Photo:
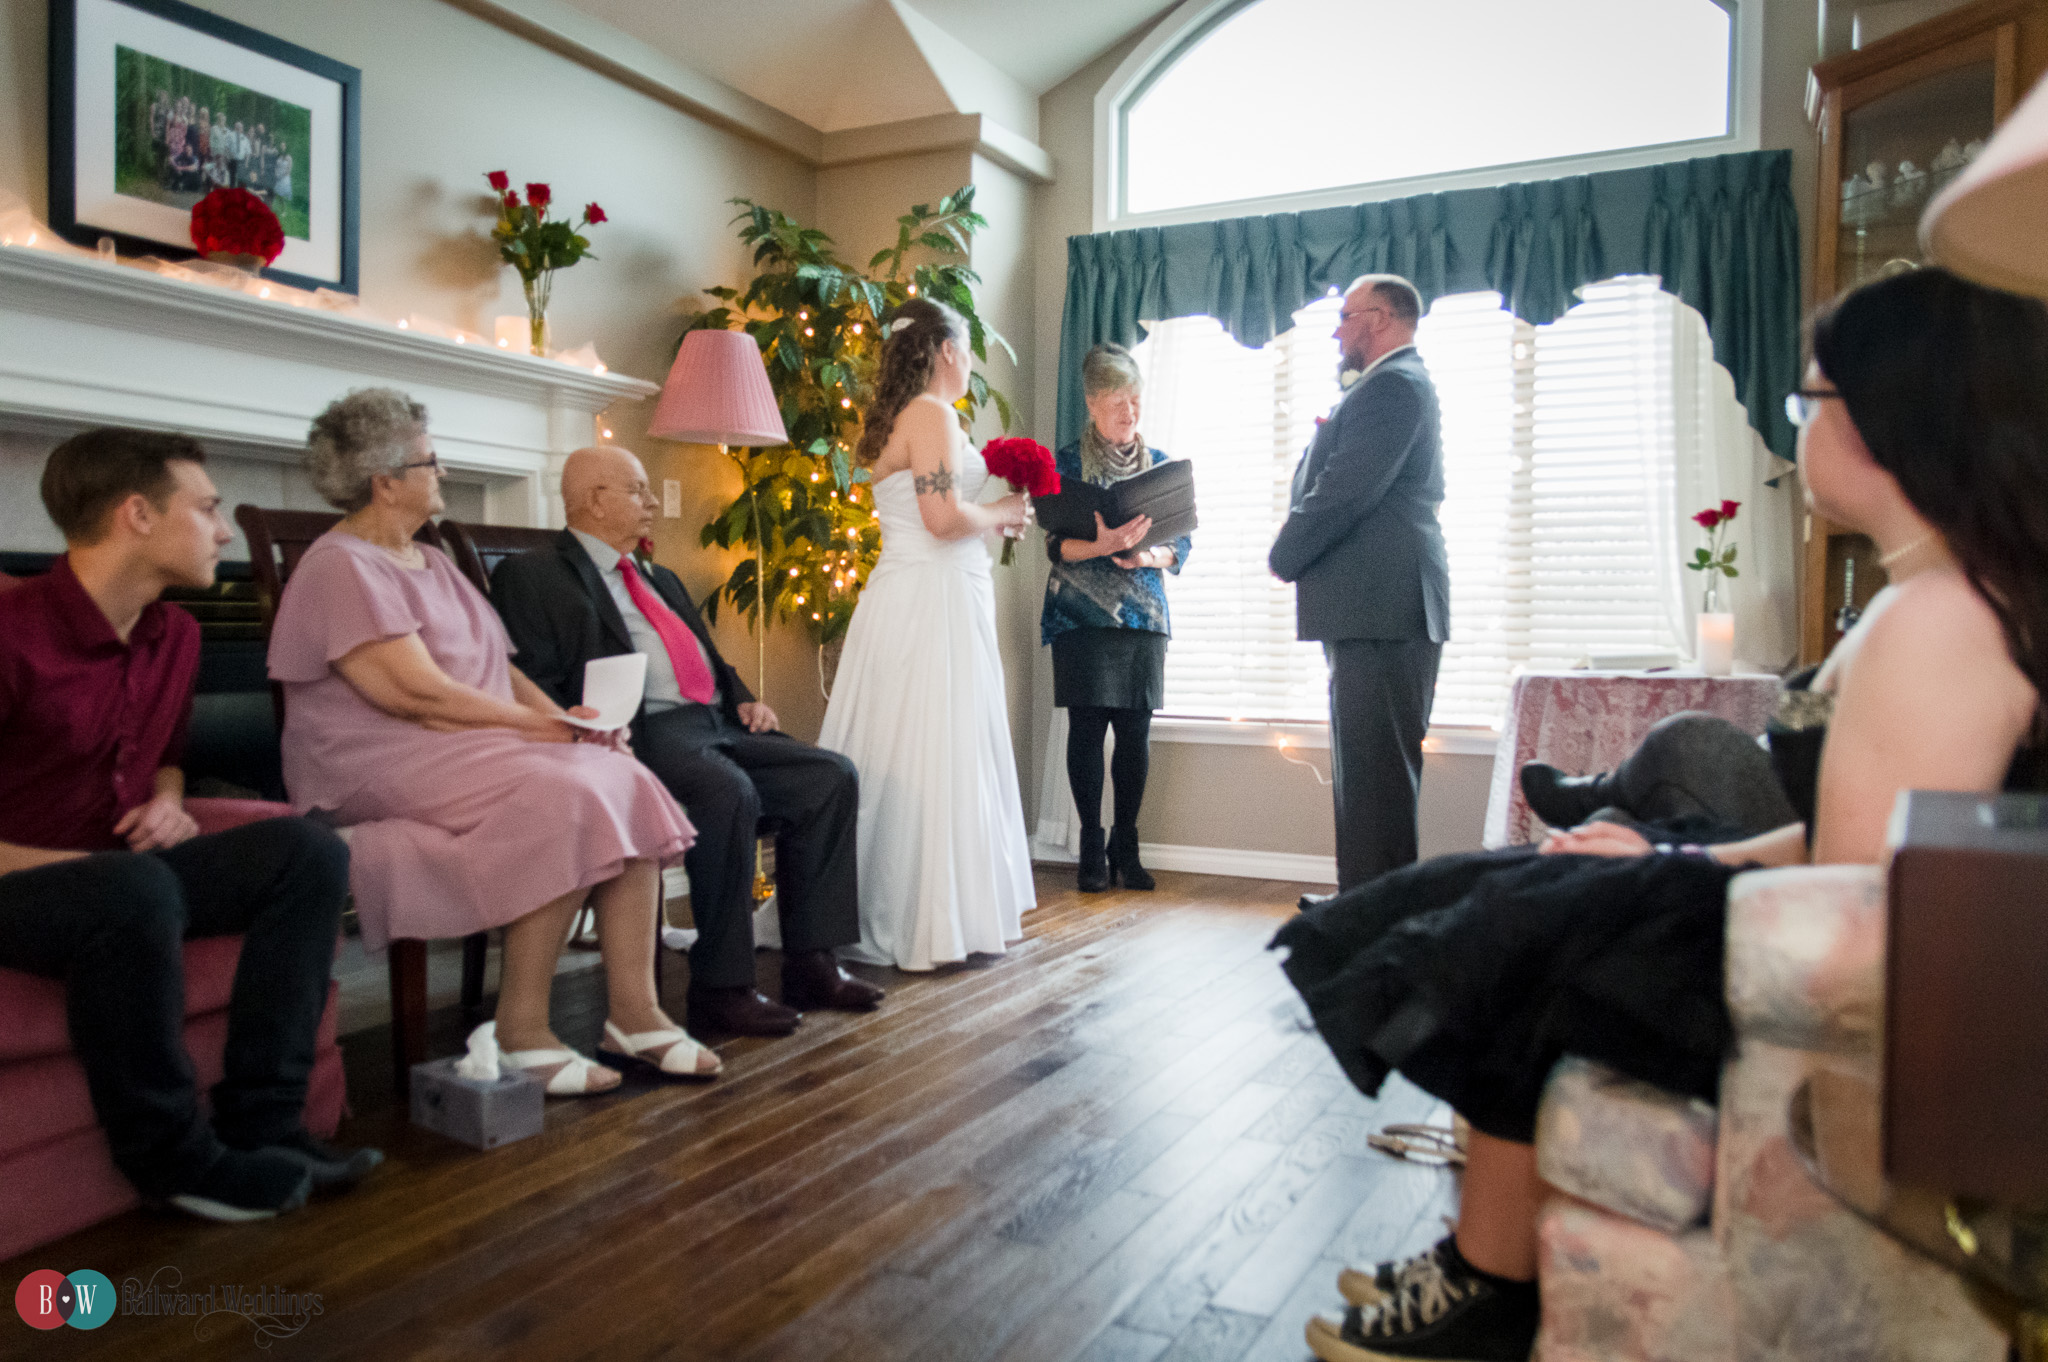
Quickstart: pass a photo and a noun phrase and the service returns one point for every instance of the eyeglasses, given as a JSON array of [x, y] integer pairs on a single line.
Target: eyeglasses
[[432, 461], [1361, 312], [639, 491], [1802, 407]]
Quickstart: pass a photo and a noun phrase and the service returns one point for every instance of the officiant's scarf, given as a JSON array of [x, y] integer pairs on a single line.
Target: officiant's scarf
[[1103, 463]]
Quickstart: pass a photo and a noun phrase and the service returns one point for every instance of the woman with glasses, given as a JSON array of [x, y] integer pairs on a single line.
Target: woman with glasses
[[474, 804], [1925, 426]]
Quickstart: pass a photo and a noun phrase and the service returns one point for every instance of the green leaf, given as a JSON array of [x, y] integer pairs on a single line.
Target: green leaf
[[1701, 557], [1731, 572], [1730, 555]]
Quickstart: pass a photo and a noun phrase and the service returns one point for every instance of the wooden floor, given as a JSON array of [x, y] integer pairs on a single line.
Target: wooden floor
[[1118, 1143]]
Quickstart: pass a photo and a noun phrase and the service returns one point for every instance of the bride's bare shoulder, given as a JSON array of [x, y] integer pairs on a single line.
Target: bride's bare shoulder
[[1937, 631]]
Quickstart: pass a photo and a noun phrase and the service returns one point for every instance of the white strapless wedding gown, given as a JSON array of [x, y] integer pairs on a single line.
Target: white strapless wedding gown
[[918, 707]]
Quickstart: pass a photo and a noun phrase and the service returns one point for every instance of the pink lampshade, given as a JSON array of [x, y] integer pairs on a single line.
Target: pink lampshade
[[717, 394], [1991, 224]]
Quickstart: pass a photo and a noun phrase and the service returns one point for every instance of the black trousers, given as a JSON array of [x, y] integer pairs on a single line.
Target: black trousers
[[1381, 691], [111, 926], [1700, 768], [728, 780]]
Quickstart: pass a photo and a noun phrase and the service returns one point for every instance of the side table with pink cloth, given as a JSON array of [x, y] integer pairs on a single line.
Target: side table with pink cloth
[[54, 1162], [454, 833], [1583, 722]]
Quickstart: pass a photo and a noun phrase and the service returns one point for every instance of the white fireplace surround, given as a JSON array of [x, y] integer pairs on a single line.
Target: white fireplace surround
[[84, 343]]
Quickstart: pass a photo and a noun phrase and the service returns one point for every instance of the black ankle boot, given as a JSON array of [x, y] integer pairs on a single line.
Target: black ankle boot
[[1560, 800], [1093, 876], [1123, 859]]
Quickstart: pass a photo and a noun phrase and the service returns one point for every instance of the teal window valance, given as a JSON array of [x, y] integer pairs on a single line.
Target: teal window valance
[[1721, 232]]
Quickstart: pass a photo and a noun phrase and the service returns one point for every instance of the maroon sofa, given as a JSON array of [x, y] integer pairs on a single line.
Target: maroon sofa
[[54, 1165]]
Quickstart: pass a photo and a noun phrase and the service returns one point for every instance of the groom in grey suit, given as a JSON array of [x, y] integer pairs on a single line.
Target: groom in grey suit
[[1372, 584]]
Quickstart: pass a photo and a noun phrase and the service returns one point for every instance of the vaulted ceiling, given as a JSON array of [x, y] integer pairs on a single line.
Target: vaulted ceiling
[[839, 64]]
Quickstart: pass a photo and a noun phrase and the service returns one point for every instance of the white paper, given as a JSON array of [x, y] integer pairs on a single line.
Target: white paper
[[612, 686]]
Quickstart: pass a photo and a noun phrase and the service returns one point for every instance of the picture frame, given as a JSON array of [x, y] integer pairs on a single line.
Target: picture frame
[[153, 103]]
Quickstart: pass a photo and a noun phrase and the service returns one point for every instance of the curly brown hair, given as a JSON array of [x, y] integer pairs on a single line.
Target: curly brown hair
[[915, 333]]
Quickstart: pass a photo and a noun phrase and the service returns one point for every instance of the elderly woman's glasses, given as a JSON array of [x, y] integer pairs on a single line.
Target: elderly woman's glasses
[[432, 461], [1803, 407]]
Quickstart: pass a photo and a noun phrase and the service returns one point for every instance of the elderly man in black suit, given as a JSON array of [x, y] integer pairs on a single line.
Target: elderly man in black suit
[[1372, 583], [712, 743]]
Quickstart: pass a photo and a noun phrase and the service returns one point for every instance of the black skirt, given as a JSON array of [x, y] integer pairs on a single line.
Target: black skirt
[[1109, 669], [1473, 974]]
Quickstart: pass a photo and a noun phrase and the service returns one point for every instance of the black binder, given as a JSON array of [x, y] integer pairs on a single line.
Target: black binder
[[1166, 492]]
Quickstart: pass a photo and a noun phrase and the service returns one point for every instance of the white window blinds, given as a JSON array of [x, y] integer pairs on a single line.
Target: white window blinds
[[1565, 450]]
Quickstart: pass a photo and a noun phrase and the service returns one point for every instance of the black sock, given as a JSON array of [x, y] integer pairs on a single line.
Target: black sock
[[1462, 1265]]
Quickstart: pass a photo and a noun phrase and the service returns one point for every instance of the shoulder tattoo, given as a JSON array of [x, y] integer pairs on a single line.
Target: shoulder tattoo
[[932, 484]]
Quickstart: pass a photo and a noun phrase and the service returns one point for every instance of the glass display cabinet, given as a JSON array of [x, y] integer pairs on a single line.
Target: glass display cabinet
[[1896, 121]]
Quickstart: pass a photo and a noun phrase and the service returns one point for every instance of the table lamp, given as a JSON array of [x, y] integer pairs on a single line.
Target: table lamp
[[718, 393], [1991, 223]]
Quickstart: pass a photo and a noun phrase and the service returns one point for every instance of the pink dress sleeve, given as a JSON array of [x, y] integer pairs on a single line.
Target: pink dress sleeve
[[335, 602]]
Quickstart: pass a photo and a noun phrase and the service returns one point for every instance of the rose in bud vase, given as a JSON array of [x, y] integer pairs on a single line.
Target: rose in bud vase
[[1717, 559], [537, 244], [1027, 466], [1714, 639]]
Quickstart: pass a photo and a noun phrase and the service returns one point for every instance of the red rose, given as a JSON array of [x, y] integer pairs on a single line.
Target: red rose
[[512, 199], [592, 213], [539, 195], [236, 222], [1707, 520], [1025, 464], [1728, 509], [500, 181]]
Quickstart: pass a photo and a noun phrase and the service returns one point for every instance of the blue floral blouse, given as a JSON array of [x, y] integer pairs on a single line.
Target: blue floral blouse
[[1096, 593]]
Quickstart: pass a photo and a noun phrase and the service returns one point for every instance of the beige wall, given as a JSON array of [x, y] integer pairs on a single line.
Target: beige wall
[[447, 97]]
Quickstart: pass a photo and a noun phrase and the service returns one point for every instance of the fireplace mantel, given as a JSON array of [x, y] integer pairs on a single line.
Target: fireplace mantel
[[84, 342]]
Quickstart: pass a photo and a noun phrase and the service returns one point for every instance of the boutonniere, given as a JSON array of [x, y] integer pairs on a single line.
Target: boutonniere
[[1349, 377]]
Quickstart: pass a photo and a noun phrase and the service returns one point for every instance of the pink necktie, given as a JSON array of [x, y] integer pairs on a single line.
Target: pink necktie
[[693, 677]]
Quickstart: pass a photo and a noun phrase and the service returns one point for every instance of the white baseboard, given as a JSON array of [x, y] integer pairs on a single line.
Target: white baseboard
[[1237, 861]]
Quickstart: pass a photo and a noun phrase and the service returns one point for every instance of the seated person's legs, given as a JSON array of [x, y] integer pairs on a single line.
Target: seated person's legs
[[1688, 766], [636, 1030], [112, 927]]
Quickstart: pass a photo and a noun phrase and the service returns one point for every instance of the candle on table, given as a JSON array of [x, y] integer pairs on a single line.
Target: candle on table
[[1717, 644]]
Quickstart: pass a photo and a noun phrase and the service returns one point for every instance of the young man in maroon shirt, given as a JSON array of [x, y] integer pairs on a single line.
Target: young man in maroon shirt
[[102, 872]]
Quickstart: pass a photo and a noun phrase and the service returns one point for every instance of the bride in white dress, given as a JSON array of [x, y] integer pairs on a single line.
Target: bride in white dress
[[918, 705]]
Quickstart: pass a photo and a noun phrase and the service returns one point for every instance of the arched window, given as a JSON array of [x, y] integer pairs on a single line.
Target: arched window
[[1274, 98]]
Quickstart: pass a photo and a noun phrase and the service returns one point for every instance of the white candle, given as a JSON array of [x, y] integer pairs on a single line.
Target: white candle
[[1717, 644], [512, 332]]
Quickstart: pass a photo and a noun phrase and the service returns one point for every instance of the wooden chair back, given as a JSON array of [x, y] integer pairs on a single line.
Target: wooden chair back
[[478, 549]]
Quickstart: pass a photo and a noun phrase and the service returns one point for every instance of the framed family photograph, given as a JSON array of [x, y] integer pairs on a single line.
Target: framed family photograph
[[154, 103]]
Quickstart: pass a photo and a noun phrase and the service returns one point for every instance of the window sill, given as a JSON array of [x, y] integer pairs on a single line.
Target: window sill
[[1442, 741]]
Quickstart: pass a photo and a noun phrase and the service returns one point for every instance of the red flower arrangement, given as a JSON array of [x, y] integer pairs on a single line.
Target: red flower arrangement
[[537, 245], [236, 222], [1028, 467], [1712, 517]]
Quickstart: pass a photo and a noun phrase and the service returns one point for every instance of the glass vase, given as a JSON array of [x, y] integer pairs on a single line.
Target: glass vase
[[537, 290]]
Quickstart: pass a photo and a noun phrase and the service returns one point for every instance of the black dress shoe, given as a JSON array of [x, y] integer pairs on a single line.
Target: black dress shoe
[[813, 979], [332, 1169], [1560, 800], [1308, 901], [739, 1011]]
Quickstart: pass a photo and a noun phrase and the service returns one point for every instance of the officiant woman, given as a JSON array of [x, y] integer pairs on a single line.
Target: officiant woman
[[1105, 617]]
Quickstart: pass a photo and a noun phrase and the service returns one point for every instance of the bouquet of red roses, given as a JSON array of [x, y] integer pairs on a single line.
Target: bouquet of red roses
[[1028, 467], [236, 222]]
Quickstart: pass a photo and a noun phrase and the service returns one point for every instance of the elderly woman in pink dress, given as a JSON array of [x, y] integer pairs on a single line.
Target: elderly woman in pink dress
[[473, 804]]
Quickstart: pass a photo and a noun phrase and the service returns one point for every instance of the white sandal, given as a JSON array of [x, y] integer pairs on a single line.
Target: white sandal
[[572, 1079], [672, 1053]]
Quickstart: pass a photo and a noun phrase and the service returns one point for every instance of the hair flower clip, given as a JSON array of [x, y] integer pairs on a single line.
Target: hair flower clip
[[897, 325]]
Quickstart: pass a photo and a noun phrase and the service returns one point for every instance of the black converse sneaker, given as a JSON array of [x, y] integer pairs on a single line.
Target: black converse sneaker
[[1441, 1308], [1371, 1285]]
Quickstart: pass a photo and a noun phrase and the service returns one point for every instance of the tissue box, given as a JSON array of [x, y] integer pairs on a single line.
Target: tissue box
[[481, 1114]]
